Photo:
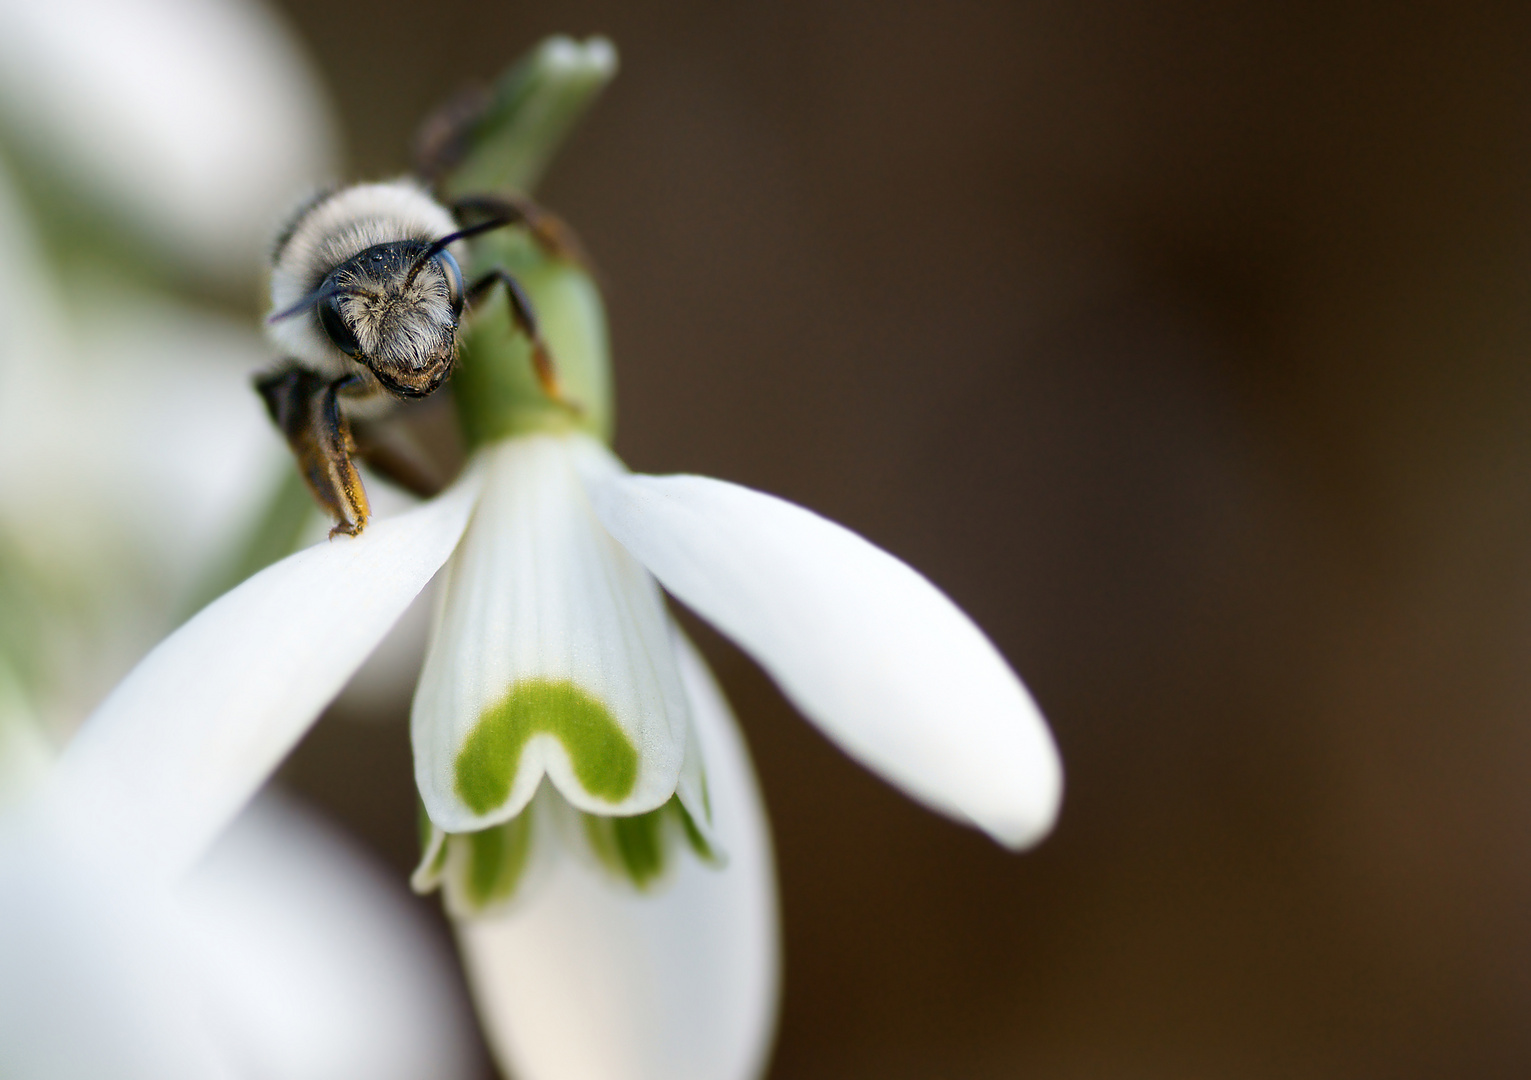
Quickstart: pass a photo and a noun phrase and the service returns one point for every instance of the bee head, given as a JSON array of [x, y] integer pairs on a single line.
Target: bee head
[[394, 307]]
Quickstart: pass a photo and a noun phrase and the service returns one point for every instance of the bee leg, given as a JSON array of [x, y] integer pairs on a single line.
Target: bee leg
[[306, 408], [552, 233], [525, 318]]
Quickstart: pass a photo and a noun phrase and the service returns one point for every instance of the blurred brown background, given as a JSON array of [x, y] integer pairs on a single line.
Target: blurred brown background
[[1186, 345]]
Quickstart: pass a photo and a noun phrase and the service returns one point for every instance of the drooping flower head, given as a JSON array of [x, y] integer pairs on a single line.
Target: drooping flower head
[[589, 808]]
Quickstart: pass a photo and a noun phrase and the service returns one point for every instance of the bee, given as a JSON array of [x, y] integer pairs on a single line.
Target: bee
[[367, 293]]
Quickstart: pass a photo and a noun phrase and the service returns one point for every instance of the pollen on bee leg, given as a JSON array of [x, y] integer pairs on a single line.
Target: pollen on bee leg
[[547, 377], [306, 407]]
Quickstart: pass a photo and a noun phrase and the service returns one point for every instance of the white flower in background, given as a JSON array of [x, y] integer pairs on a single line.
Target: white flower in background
[[282, 954], [123, 414], [191, 124], [140, 142]]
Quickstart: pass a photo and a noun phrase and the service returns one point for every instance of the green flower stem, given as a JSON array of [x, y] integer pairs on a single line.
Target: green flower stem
[[534, 106], [495, 386]]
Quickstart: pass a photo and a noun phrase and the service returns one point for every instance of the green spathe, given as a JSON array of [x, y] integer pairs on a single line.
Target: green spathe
[[605, 761]]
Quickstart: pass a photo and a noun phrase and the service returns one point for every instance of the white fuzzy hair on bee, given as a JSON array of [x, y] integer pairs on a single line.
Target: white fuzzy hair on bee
[[402, 317]]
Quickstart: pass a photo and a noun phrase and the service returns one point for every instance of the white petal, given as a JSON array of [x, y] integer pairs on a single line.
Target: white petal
[[539, 600], [868, 649], [185, 740], [197, 120], [316, 963], [593, 981]]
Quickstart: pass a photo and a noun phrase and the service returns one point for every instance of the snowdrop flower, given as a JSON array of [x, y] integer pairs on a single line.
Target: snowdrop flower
[[591, 813]]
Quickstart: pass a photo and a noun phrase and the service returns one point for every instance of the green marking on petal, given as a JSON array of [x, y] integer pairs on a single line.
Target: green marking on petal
[[694, 835], [496, 859], [639, 847], [631, 846], [604, 759]]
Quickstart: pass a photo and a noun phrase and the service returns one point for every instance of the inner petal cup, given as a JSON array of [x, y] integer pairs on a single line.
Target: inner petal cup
[[550, 656], [593, 981]]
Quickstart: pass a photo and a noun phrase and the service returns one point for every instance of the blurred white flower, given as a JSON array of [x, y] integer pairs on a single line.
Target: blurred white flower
[[194, 123], [123, 414], [282, 954], [125, 411]]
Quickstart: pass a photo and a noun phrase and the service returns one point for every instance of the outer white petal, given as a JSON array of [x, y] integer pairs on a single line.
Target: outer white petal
[[868, 649], [539, 594], [195, 118], [592, 981], [185, 740], [317, 964]]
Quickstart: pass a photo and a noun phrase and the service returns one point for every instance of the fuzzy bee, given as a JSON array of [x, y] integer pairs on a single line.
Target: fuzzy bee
[[367, 292]]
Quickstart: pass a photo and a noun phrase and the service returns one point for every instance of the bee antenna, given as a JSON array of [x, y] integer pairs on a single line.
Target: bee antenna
[[318, 296], [451, 238]]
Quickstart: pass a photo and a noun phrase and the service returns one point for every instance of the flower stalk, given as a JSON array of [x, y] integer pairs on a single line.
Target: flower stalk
[[495, 390]]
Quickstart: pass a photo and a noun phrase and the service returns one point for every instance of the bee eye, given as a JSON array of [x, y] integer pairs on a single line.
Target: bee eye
[[337, 328], [453, 273]]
